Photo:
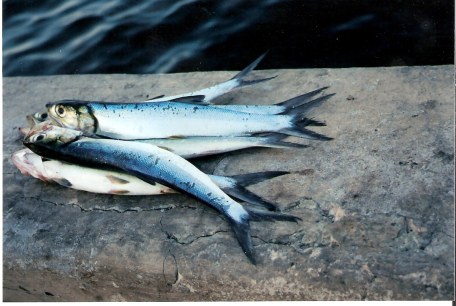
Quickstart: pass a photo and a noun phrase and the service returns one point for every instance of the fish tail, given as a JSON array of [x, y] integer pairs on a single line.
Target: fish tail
[[241, 75], [241, 227], [308, 106], [241, 193], [257, 177], [311, 122], [241, 230], [238, 190], [262, 215], [275, 140], [299, 122], [300, 100], [300, 131]]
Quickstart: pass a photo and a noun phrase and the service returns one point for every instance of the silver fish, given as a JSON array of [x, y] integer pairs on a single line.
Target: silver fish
[[151, 164], [115, 182], [275, 109], [192, 147], [210, 93], [129, 121]]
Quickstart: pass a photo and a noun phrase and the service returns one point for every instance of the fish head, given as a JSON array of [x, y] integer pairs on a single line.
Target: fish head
[[36, 118], [48, 133], [29, 163], [72, 114]]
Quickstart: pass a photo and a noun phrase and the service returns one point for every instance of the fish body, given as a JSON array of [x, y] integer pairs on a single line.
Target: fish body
[[279, 108], [162, 120], [130, 121], [120, 183], [151, 164]]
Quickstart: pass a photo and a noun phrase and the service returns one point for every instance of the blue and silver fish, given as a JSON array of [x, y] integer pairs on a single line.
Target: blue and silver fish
[[130, 121], [150, 164]]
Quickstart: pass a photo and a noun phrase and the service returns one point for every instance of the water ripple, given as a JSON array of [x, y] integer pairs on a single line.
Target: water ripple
[[42, 37]]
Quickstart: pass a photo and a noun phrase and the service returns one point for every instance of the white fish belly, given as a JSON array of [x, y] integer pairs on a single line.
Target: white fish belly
[[101, 181]]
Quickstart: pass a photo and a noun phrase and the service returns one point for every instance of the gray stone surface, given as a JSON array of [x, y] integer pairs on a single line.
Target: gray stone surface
[[376, 202]]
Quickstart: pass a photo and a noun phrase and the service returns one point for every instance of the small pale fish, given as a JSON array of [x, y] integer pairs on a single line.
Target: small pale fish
[[153, 165], [131, 121], [115, 182], [213, 92]]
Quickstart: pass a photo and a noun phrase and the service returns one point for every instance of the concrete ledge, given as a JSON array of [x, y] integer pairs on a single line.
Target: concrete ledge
[[376, 202]]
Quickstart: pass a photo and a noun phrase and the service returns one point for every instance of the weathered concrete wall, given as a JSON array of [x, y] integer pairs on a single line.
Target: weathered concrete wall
[[376, 202]]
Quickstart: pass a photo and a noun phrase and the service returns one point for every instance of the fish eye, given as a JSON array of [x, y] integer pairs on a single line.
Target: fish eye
[[36, 138], [60, 110], [43, 115]]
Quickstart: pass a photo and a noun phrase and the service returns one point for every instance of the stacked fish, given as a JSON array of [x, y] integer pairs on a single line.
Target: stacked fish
[[142, 148]]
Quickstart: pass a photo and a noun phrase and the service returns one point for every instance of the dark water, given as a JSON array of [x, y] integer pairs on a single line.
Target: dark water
[[95, 36]]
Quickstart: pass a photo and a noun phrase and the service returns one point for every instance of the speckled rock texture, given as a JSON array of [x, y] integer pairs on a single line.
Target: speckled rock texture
[[376, 202]]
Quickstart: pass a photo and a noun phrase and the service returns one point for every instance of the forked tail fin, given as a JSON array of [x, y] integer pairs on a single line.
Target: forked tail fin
[[299, 100], [241, 75], [299, 122], [241, 227], [239, 182], [307, 106], [257, 177]]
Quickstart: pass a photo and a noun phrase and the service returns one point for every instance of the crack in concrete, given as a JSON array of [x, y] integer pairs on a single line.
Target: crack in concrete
[[113, 209], [176, 276], [173, 238], [292, 243], [323, 212], [265, 242], [302, 248]]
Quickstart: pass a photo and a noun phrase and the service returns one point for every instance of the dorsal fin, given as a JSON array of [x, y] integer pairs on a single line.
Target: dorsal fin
[[157, 97], [198, 99]]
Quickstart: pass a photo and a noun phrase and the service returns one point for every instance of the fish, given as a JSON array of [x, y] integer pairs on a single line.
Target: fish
[[114, 182], [213, 92], [194, 147], [275, 109], [152, 165], [131, 121]]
